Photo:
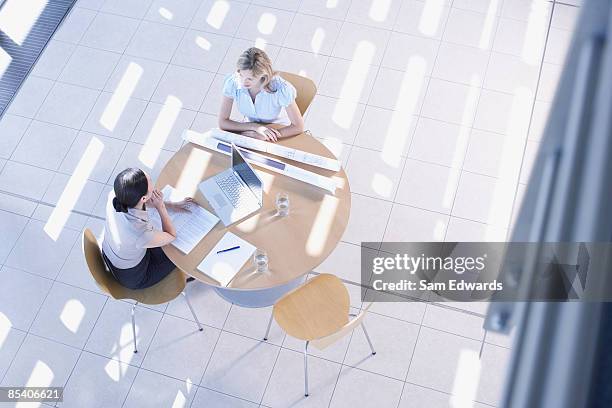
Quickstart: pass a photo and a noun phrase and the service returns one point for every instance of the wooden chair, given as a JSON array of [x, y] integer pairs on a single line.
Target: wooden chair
[[306, 89], [318, 312], [164, 291]]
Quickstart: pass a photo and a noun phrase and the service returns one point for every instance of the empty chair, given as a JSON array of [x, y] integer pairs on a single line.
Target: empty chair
[[318, 312], [164, 291], [305, 89]]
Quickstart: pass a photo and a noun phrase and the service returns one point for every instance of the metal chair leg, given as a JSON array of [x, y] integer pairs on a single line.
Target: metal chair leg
[[192, 311], [368, 338], [306, 369], [134, 325], [269, 325]]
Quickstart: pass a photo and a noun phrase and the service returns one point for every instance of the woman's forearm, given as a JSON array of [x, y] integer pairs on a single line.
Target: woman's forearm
[[290, 130], [234, 126], [166, 222]]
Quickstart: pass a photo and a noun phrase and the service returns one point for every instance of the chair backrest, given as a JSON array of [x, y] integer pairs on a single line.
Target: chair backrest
[[103, 277], [315, 309], [326, 341], [306, 89]]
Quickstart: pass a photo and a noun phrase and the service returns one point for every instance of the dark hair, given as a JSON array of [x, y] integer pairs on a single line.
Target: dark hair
[[130, 186]]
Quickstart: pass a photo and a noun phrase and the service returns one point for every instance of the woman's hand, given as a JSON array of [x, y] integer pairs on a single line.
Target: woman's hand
[[267, 133], [183, 205], [156, 200]]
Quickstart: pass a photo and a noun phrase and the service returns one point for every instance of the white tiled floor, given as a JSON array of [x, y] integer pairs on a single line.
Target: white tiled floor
[[436, 109]]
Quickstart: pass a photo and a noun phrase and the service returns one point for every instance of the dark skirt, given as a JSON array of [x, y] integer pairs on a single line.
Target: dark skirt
[[154, 267]]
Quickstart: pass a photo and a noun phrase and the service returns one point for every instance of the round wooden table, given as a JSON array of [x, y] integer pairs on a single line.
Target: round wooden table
[[295, 244]]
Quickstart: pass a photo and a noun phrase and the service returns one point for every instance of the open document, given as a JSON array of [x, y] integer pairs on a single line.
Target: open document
[[191, 226]]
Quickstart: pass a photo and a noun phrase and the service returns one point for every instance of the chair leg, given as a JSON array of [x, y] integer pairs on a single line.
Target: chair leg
[[134, 325], [306, 369], [269, 325], [192, 311], [368, 337]]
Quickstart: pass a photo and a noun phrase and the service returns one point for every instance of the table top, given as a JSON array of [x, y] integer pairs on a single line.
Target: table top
[[295, 244]]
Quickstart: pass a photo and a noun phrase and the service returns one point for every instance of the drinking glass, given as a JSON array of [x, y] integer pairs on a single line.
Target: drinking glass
[[260, 259], [282, 204]]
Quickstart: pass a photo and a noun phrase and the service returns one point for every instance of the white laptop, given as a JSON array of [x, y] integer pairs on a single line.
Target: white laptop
[[234, 193]]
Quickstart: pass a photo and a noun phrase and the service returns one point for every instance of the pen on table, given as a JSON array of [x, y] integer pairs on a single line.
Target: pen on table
[[228, 249]]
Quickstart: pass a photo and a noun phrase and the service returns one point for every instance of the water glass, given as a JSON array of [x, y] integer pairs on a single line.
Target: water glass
[[260, 259], [282, 204]]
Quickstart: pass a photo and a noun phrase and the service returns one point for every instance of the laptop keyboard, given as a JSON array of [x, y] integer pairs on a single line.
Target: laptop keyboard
[[231, 187]]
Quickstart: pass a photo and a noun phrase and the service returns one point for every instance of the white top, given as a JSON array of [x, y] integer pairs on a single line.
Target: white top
[[269, 107], [125, 235]]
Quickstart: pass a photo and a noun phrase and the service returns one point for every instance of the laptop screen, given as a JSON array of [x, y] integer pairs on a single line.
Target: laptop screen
[[247, 174]]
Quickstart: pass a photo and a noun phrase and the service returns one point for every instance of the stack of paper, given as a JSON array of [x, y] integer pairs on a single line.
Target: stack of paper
[[224, 266], [191, 226]]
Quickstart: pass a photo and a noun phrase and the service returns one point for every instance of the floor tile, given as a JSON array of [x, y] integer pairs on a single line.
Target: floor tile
[[41, 363], [451, 102], [503, 113], [11, 343], [549, 78], [67, 105], [424, 225], [462, 64], [51, 62], [470, 28], [112, 335], [13, 173], [387, 131], [162, 126], [219, 17], [12, 227], [322, 8], [22, 295], [400, 91], [510, 74], [290, 5], [268, 24], [521, 38], [341, 125], [398, 308], [178, 13], [371, 13], [361, 44], [253, 322], [179, 350], [286, 387], [50, 254], [201, 50], [102, 169], [492, 378], [462, 230], [439, 142], [344, 262], [74, 25], [135, 77], [453, 321], [240, 367], [44, 145], [404, 50], [334, 352], [303, 63], [212, 399], [415, 396], [531, 153], [110, 32], [367, 220], [425, 19], [12, 128], [133, 8], [312, 34], [557, 46], [428, 186], [354, 389], [441, 358], [379, 179], [539, 119], [107, 382], [501, 339], [565, 17], [185, 87], [348, 81], [521, 9], [75, 272], [484, 199], [168, 391], [89, 67], [90, 4], [16, 205], [114, 116], [68, 315], [151, 160], [493, 154], [155, 41], [30, 97], [393, 340]]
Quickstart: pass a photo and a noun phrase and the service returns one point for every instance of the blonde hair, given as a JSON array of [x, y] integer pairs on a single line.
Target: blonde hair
[[258, 62]]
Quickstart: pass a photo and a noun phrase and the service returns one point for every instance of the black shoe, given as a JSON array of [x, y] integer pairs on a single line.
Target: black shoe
[[190, 279]]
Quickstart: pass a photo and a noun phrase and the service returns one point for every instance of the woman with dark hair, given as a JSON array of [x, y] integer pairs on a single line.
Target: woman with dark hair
[[131, 246]]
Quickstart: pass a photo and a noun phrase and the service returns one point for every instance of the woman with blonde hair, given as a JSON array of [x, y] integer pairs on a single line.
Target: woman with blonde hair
[[262, 96]]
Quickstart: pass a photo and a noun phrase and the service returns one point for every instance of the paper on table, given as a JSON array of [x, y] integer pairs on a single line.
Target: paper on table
[[191, 226], [224, 266]]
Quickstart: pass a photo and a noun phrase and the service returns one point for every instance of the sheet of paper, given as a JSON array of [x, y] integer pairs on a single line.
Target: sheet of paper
[[224, 266], [191, 226]]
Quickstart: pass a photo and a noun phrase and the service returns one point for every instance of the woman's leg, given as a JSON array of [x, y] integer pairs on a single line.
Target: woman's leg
[[160, 266]]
